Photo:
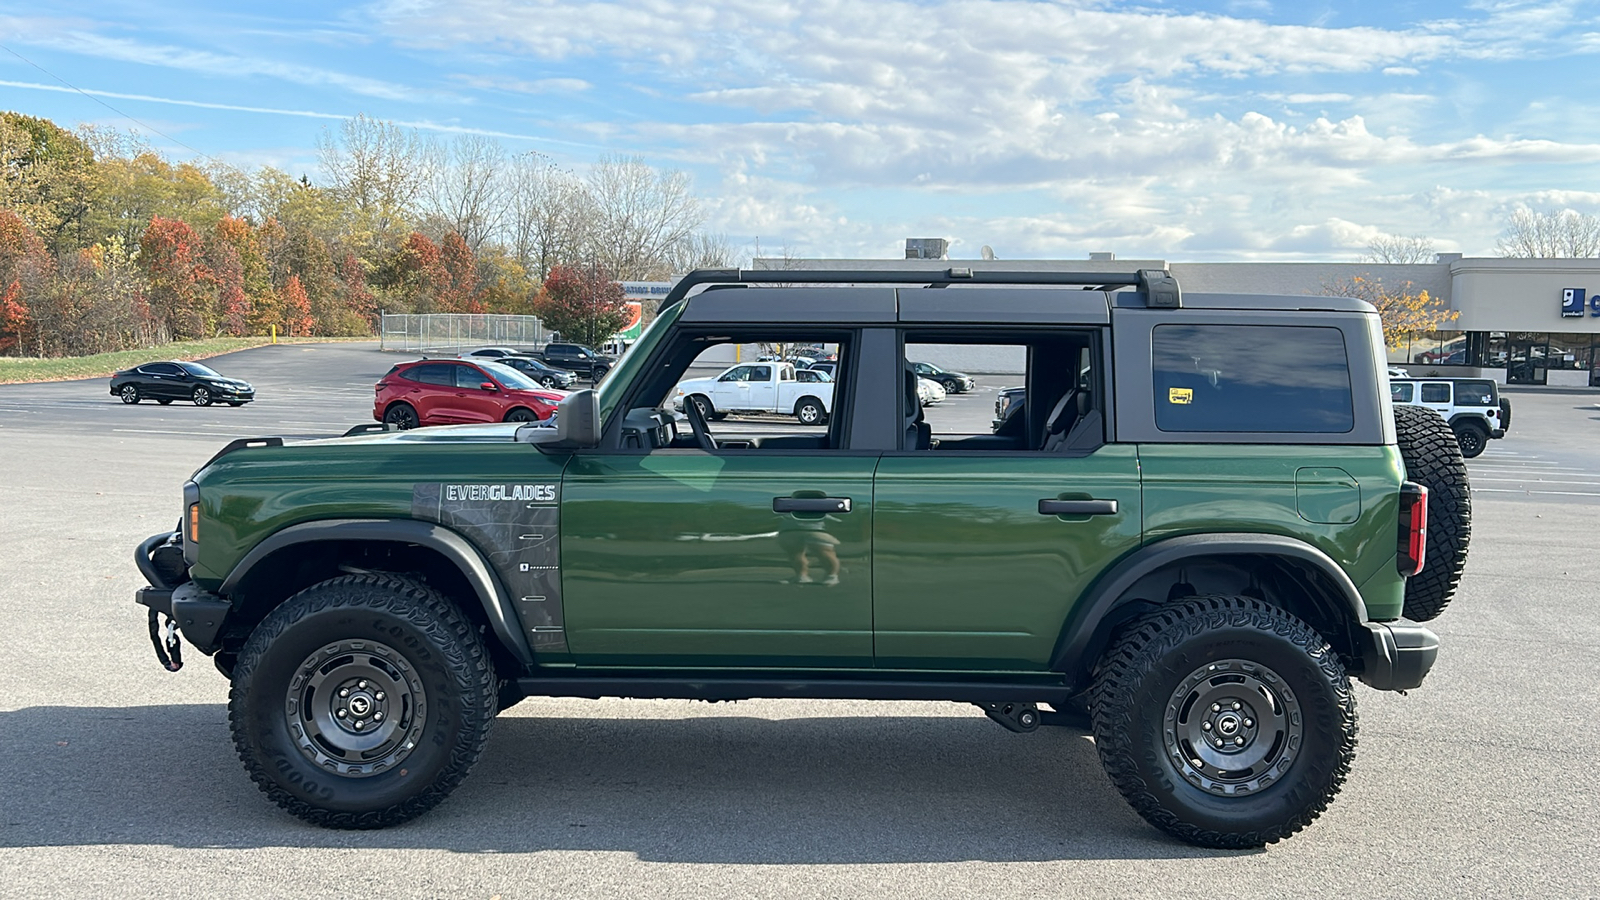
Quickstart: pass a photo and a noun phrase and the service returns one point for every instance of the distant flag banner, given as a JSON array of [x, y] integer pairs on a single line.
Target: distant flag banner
[[1572, 303]]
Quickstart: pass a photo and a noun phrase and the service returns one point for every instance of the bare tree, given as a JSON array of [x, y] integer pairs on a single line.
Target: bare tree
[[376, 167], [548, 215], [468, 187], [1403, 250], [701, 250], [640, 214], [1551, 234]]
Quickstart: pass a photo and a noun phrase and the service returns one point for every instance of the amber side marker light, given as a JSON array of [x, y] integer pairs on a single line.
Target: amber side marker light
[[194, 523]]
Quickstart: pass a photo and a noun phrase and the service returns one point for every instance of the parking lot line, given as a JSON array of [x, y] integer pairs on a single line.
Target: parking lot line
[[1549, 493]]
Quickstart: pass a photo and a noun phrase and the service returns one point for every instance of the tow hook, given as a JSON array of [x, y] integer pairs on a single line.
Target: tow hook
[[1023, 718], [169, 647]]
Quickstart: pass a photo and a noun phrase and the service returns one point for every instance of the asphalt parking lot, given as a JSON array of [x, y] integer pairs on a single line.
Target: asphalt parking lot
[[119, 779]]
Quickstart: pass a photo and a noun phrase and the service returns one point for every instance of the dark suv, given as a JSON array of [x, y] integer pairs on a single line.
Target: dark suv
[[1204, 519]]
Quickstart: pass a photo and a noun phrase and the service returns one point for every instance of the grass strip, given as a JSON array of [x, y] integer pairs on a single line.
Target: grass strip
[[24, 369]]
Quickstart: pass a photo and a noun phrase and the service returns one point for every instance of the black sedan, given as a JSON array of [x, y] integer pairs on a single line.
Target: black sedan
[[547, 375], [165, 382], [952, 382]]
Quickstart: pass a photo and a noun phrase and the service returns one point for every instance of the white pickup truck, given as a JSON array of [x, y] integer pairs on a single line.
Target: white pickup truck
[[761, 387]]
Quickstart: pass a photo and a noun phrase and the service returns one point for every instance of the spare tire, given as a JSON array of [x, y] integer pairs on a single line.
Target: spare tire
[[1433, 460]]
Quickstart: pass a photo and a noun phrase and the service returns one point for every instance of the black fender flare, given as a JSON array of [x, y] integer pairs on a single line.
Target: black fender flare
[[1101, 599], [450, 544], [1475, 418]]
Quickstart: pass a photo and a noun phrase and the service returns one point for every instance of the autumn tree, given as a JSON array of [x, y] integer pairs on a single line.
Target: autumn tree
[[1404, 310], [378, 169], [414, 276], [1550, 234], [26, 282], [459, 292], [48, 177], [297, 321], [180, 284], [585, 305]]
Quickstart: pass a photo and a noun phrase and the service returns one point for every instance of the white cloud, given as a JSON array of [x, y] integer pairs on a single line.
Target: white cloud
[[1401, 70]]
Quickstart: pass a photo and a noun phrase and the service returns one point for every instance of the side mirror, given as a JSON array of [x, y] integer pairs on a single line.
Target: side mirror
[[577, 424], [489, 386]]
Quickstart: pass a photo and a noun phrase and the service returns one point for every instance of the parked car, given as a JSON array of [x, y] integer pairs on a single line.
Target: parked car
[[1473, 407], [813, 376], [165, 382], [446, 392], [1008, 405], [761, 387], [929, 391], [585, 361], [491, 353], [952, 382], [547, 375], [830, 367]]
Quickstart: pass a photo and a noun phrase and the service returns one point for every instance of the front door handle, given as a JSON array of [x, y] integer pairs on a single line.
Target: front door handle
[[810, 504], [1077, 507]]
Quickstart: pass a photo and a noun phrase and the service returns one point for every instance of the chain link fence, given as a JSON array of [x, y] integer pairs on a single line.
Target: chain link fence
[[454, 332]]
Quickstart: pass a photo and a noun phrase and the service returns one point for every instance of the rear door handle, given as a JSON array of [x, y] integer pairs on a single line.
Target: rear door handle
[[810, 504], [1077, 507]]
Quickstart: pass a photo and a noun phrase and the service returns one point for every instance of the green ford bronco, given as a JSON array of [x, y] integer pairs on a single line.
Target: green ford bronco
[[1205, 518]]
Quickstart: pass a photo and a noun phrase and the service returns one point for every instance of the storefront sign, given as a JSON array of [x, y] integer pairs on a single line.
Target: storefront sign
[[1572, 303]]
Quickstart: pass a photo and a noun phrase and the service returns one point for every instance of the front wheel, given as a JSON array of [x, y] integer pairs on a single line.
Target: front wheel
[[521, 415], [1224, 721], [201, 395], [129, 394], [362, 701], [547, 382]]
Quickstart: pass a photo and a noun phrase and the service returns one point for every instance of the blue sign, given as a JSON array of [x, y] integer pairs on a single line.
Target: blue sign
[[1572, 303]]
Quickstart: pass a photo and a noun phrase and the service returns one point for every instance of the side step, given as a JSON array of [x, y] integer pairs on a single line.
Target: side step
[[697, 686]]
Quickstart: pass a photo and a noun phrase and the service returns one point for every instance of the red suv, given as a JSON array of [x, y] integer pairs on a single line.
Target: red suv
[[446, 392]]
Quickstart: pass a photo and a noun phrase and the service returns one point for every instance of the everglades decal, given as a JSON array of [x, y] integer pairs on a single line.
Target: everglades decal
[[516, 526], [539, 493]]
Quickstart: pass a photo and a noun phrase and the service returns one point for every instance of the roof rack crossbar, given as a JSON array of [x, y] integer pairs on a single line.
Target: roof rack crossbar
[[1160, 287]]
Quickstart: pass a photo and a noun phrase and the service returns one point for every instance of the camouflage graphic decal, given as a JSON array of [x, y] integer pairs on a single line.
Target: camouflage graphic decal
[[517, 526]]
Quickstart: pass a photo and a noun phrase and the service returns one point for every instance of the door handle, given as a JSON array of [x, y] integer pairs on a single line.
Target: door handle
[[1077, 507], [810, 504]]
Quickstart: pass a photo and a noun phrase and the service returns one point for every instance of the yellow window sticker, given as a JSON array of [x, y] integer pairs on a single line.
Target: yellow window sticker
[[1180, 396]]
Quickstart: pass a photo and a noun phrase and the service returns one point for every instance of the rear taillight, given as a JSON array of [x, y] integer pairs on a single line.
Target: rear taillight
[[1413, 528]]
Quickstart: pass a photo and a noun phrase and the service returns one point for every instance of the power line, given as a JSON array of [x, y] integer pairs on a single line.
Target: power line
[[119, 112]]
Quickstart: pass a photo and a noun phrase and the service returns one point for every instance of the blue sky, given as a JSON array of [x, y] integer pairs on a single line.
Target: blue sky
[[1236, 129]]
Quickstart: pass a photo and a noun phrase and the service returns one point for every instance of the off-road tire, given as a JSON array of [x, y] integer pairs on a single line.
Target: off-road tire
[[1141, 680], [1471, 437], [1433, 459], [437, 652]]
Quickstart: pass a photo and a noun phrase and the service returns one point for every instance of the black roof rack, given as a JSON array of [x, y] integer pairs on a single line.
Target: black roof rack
[[1158, 285]]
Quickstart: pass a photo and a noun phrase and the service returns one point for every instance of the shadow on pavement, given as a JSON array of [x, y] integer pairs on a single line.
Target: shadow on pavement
[[727, 789]]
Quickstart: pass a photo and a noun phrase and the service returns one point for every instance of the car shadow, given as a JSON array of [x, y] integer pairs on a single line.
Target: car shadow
[[705, 789]]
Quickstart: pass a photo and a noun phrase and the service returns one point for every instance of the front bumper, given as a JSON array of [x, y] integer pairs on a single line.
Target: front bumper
[[1397, 655], [199, 614]]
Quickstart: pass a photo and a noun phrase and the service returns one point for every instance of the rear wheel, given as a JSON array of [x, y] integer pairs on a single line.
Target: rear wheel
[[1471, 437], [809, 411], [402, 416], [130, 394], [1433, 459], [201, 395], [362, 701], [1224, 721]]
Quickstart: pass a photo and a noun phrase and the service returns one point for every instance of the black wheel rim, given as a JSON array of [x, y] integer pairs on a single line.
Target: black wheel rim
[[130, 394], [402, 417], [1471, 442], [519, 415], [1232, 727], [356, 708]]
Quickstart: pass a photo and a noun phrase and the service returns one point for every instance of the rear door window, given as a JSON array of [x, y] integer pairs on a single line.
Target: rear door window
[[1252, 378], [1436, 392], [1402, 393], [440, 374]]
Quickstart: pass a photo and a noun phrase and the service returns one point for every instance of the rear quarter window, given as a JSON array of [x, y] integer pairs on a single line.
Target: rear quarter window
[[1252, 378], [1476, 393]]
